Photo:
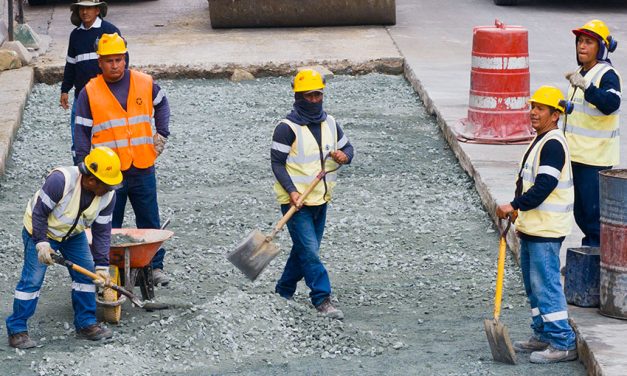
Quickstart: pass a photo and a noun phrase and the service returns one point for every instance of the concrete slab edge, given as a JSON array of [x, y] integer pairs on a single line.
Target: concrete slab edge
[[464, 160], [391, 65], [586, 355], [12, 117]]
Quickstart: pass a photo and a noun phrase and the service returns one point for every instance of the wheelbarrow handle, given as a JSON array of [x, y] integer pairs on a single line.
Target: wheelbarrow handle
[[62, 261]]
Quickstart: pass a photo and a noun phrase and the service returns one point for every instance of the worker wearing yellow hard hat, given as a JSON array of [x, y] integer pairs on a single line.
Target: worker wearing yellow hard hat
[[592, 130], [70, 200], [543, 202], [106, 117], [304, 143]]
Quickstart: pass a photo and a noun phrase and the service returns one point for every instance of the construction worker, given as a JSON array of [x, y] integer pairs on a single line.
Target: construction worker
[[107, 117], [71, 199], [301, 144], [592, 130], [543, 203], [81, 63]]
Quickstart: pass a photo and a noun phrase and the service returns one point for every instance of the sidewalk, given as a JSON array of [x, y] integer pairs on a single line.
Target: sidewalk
[[435, 47]]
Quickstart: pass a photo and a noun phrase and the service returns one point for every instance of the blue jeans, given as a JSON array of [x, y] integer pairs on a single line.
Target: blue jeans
[[306, 228], [27, 291], [141, 191], [587, 210], [540, 263]]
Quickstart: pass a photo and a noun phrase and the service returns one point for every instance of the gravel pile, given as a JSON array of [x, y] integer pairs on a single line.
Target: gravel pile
[[410, 251]]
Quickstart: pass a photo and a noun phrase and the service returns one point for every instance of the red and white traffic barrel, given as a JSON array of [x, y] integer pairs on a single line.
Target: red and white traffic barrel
[[498, 110]]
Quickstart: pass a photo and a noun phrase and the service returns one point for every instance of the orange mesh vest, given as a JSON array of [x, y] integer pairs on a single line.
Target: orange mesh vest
[[128, 132]]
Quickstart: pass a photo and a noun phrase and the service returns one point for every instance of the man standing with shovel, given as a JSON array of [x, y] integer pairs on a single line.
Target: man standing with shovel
[[544, 203], [301, 145]]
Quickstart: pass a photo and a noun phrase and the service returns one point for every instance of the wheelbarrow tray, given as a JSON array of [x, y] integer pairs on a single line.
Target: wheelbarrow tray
[[141, 252]]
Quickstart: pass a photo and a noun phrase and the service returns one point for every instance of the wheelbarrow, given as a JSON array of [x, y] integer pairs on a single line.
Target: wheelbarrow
[[132, 256]]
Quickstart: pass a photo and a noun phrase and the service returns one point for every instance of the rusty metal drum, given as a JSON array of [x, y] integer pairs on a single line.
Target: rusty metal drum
[[613, 284]]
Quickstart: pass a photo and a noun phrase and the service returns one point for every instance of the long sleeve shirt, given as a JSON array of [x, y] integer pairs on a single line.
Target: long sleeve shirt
[[84, 118], [81, 63], [101, 232], [284, 135], [607, 96]]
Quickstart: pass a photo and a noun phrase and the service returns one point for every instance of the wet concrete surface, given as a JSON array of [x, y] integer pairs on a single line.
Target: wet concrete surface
[[410, 250]]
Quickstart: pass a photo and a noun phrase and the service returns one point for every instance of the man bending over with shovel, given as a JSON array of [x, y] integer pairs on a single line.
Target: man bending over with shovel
[[301, 144], [544, 200], [71, 199]]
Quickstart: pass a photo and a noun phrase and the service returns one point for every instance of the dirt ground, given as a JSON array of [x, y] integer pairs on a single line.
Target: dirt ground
[[409, 248]]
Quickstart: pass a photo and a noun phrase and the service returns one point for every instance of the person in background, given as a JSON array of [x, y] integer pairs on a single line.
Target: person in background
[[81, 63], [592, 130]]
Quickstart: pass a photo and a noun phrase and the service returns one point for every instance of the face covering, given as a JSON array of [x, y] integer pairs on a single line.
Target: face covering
[[305, 112]]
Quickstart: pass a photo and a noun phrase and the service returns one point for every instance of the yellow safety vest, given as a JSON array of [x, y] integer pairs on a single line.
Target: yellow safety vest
[[553, 218], [593, 137], [65, 211], [304, 162]]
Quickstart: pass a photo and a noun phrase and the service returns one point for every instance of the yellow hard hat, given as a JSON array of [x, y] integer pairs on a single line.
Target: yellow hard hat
[[308, 80], [598, 30], [110, 44], [104, 164], [552, 97]]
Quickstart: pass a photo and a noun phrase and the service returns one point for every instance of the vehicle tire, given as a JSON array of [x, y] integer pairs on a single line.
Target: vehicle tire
[[37, 2], [505, 2]]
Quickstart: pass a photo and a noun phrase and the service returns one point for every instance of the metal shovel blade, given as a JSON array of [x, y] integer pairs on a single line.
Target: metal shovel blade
[[253, 254], [500, 344]]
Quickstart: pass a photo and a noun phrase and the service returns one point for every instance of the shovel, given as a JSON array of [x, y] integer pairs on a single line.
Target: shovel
[[256, 251], [498, 335], [61, 261]]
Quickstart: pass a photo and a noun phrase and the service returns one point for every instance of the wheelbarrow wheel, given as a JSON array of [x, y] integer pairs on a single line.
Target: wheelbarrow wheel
[[112, 315]]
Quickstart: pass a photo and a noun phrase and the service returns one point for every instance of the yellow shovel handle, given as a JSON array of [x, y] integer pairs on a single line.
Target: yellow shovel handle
[[499, 278]]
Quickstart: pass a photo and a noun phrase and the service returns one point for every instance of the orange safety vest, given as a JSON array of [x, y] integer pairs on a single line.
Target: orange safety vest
[[129, 132]]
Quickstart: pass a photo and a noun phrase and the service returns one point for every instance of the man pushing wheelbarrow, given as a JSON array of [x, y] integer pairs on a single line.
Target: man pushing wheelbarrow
[[71, 199]]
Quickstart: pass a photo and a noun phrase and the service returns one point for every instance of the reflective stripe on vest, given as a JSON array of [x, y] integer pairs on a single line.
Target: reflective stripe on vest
[[129, 132], [593, 137], [304, 162], [554, 217], [65, 211]]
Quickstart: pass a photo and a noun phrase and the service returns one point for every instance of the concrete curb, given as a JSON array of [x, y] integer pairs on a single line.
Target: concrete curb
[[391, 65], [15, 87], [487, 198]]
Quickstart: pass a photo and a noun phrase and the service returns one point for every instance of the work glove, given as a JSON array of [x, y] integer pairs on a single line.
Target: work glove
[[103, 273], [159, 143], [44, 253], [576, 79]]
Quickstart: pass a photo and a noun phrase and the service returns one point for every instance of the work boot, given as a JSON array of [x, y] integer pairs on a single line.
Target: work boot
[[530, 345], [159, 277], [21, 341], [327, 309], [553, 355], [95, 332]]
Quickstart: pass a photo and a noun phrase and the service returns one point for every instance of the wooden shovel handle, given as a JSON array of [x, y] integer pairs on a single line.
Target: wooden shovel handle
[[294, 208], [500, 271]]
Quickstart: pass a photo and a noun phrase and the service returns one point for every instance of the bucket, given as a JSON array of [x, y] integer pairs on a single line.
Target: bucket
[[613, 205], [581, 277]]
